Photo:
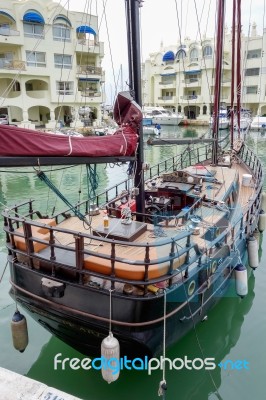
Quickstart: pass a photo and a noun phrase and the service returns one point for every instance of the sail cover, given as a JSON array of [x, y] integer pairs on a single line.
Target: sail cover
[[26, 142], [20, 142]]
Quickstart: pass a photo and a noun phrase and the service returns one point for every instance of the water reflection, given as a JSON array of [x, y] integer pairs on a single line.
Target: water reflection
[[216, 338]]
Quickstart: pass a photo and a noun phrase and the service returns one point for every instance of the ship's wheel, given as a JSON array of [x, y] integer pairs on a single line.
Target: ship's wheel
[[153, 211]]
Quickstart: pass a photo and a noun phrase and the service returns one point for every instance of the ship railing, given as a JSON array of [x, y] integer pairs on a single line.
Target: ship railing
[[177, 249], [253, 162]]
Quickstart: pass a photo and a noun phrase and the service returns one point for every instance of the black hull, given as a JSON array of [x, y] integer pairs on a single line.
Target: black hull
[[69, 318]]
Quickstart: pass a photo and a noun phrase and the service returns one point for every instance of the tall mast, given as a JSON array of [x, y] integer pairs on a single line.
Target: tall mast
[[233, 73], [134, 63], [238, 64], [218, 78]]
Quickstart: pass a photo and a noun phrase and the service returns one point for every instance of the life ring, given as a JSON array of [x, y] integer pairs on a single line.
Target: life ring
[[191, 288]]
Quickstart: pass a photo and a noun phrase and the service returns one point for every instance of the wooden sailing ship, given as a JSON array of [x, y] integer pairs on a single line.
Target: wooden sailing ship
[[150, 260]]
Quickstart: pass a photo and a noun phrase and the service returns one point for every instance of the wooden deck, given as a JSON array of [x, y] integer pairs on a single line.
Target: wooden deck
[[209, 214]]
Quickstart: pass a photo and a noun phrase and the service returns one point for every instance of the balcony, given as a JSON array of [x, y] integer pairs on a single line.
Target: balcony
[[7, 31], [192, 82], [90, 93], [12, 64], [89, 70], [190, 97], [38, 94], [167, 83], [166, 100], [65, 92], [89, 46]]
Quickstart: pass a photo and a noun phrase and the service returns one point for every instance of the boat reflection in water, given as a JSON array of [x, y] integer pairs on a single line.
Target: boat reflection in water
[[217, 338]]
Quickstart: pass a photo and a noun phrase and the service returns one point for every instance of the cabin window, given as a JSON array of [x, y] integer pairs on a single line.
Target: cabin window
[[254, 54], [252, 71], [65, 88], [62, 61], [251, 89], [35, 59], [207, 52]]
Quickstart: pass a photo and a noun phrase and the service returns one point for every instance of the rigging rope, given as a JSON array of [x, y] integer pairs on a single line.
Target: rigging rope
[[93, 180], [41, 175]]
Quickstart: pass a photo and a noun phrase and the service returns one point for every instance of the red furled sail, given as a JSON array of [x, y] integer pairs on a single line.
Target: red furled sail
[[16, 141], [20, 142]]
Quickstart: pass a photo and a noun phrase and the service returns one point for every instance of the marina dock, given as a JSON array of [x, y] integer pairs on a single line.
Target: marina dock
[[14, 386]]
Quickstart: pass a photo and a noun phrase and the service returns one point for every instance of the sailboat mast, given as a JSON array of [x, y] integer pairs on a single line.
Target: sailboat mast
[[233, 73], [134, 63], [218, 78], [238, 64]]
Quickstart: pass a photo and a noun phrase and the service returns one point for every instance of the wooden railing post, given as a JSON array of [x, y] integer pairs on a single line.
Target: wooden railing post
[[146, 263], [79, 252], [113, 264], [28, 241]]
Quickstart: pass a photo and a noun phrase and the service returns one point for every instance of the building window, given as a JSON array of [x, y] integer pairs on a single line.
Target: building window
[[204, 111], [254, 53], [65, 88], [61, 33], [252, 71], [62, 61], [35, 59], [180, 54], [33, 30], [251, 89], [194, 55], [168, 79], [207, 52], [6, 60], [190, 78]]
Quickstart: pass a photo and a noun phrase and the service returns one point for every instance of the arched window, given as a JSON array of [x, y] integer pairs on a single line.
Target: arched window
[[180, 54], [61, 28], [33, 24], [194, 54], [204, 110], [168, 56], [207, 51]]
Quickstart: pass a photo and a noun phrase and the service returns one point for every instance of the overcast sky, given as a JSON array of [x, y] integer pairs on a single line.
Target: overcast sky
[[161, 21]]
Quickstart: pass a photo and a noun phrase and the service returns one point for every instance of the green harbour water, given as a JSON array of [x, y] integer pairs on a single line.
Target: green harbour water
[[234, 330]]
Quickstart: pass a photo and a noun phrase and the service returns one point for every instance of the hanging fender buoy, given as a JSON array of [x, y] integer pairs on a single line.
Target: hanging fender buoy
[[241, 278], [19, 331], [256, 234], [262, 221], [263, 201], [110, 353], [253, 255]]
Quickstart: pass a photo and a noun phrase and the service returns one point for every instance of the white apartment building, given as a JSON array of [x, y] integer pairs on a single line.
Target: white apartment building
[[181, 77], [50, 63]]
